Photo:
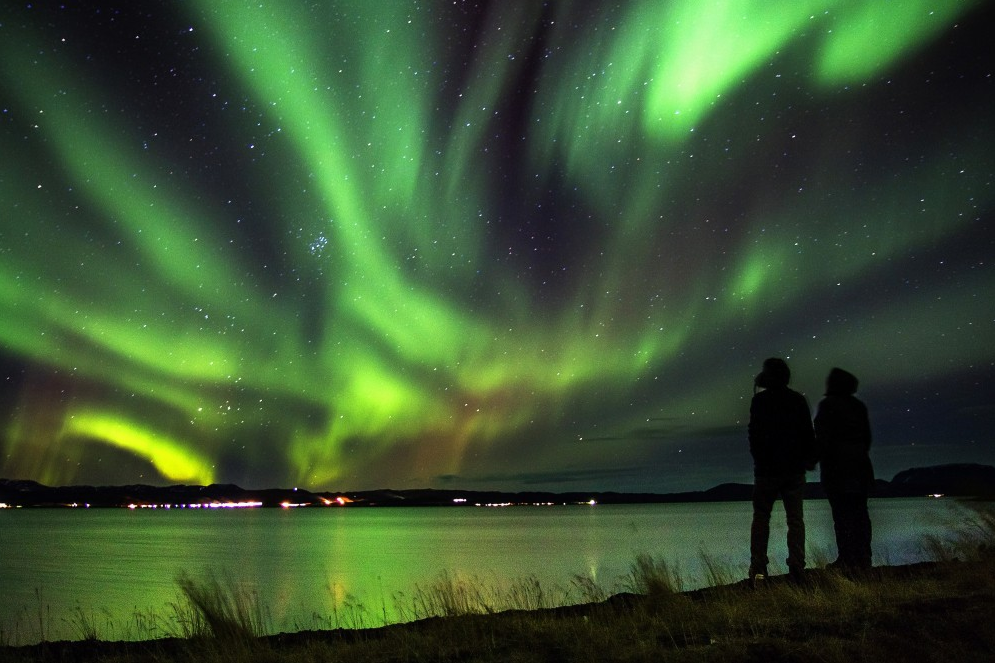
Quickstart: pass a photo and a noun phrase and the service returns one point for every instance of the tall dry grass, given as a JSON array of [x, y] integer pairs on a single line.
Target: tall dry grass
[[219, 607], [974, 539]]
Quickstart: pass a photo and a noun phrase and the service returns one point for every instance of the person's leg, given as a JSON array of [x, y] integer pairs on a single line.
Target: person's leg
[[861, 532], [853, 529], [793, 496], [764, 494], [838, 507]]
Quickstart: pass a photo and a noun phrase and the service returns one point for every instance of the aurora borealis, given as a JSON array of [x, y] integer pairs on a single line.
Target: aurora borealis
[[355, 244]]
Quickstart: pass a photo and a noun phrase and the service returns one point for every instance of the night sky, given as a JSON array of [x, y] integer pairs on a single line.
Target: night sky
[[509, 244]]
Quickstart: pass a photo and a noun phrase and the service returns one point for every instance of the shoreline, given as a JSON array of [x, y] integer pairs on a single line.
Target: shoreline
[[894, 604], [960, 480]]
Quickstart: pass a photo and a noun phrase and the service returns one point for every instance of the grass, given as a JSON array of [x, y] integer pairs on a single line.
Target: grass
[[220, 608], [933, 611], [653, 577], [975, 539]]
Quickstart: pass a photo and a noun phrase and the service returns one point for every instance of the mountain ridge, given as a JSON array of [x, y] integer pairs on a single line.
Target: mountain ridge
[[955, 479]]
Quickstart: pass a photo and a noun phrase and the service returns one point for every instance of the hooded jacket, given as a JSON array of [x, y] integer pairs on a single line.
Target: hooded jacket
[[843, 435]]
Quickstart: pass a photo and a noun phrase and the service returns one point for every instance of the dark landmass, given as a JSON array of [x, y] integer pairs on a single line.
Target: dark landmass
[[960, 480]]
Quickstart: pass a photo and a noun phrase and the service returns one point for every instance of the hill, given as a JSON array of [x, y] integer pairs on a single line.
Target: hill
[[963, 480]]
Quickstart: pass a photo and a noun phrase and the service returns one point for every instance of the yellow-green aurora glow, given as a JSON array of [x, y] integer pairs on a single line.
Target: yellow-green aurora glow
[[356, 244]]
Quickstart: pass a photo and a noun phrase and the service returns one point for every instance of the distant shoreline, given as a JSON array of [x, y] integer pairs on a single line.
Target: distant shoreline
[[955, 480]]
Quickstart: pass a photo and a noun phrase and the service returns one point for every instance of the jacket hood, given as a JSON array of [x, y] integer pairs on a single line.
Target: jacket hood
[[841, 383]]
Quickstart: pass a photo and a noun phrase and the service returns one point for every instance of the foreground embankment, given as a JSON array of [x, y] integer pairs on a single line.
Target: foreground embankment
[[934, 611]]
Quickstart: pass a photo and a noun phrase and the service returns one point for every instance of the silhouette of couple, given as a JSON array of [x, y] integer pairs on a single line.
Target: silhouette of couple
[[785, 444]]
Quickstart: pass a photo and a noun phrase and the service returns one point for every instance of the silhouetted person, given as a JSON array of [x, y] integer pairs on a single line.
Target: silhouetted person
[[843, 437], [783, 448]]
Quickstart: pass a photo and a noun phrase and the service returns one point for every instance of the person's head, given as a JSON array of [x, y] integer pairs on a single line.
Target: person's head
[[841, 383], [775, 373]]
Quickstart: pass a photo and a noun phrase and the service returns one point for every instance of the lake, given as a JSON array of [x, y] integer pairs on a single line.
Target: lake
[[116, 569]]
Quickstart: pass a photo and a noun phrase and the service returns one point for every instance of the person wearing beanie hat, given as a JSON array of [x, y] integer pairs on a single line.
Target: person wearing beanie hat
[[782, 444]]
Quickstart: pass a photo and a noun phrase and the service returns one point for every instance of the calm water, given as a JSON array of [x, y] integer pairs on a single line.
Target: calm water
[[307, 565]]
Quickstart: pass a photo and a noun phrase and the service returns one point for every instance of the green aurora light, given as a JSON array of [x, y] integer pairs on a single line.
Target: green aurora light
[[355, 311]]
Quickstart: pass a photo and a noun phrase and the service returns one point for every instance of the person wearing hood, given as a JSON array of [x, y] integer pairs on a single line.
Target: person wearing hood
[[782, 444], [843, 437]]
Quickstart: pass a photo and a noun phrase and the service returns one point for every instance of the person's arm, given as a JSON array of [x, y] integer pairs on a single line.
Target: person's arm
[[865, 422], [807, 435]]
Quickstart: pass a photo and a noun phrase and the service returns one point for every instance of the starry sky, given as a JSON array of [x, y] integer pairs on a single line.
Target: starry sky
[[513, 244]]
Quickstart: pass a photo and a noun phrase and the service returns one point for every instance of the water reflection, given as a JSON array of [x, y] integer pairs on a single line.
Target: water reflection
[[311, 568]]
